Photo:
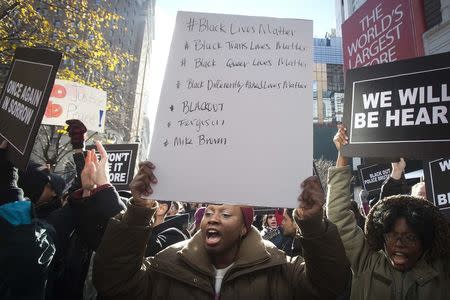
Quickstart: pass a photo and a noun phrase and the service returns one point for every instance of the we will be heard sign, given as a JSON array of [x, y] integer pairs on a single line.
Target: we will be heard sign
[[399, 109]]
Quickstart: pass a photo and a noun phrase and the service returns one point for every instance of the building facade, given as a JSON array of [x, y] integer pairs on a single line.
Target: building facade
[[437, 19], [436, 38], [328, 94], [328, 84], [131, 33], [344, 9], [134, 34]]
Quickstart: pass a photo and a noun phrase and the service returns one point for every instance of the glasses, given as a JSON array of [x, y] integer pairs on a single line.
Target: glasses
[[408, 239]]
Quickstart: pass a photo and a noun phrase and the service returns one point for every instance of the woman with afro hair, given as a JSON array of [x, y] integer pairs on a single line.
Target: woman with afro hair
[[404, 252]]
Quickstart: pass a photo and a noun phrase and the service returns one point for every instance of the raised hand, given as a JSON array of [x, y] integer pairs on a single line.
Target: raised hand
[[95, 172], [311, 199], [87, 175], [398, 168], [140, 186], [340, 139], [101, 174]]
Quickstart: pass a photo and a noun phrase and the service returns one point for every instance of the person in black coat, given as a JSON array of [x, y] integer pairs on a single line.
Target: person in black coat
[[166, 231], [27, 244], [79, 224], [94, 204]]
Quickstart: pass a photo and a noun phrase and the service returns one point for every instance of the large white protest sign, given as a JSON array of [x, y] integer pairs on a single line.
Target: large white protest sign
[[72, 100], [234, 122]]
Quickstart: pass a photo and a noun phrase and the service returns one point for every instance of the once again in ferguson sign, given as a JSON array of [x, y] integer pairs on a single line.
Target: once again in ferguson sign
[[383, 32]]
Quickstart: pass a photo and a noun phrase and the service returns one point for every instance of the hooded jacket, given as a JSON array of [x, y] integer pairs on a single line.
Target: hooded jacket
[[184, 271], [373, 276]]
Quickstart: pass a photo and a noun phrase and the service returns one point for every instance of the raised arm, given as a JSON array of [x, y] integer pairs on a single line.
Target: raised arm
[[396, 183], [120, 270], [339, 207], [77, 133], [102, 203], [326, 271]]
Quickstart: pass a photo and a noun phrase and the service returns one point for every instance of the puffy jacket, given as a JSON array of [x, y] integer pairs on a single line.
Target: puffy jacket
[[373, 276], [184, 271]]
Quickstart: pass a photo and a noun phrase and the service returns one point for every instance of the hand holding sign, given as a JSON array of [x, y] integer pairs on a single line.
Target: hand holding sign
[[311, 199], [140, 186]]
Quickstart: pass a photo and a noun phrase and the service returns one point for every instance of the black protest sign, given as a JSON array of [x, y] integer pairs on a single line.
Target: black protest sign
[[437, 178], [24, 99], [122, 161], [399, 109], [372, 177]]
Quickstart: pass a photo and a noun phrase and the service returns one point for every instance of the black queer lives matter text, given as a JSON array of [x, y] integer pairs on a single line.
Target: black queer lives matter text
[[399, 109], [24, 99]]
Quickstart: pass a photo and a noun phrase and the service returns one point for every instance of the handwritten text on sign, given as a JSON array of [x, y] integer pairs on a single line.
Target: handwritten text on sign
[[235, 107], [72, 100]]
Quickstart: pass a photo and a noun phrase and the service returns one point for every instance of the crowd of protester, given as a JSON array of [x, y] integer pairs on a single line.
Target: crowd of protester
[[89, 241]]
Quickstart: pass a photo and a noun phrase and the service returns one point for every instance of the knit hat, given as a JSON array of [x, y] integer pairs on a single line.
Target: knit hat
[[36, 177], [198, 216], [279, 216], [33, 180], [247, 212]]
